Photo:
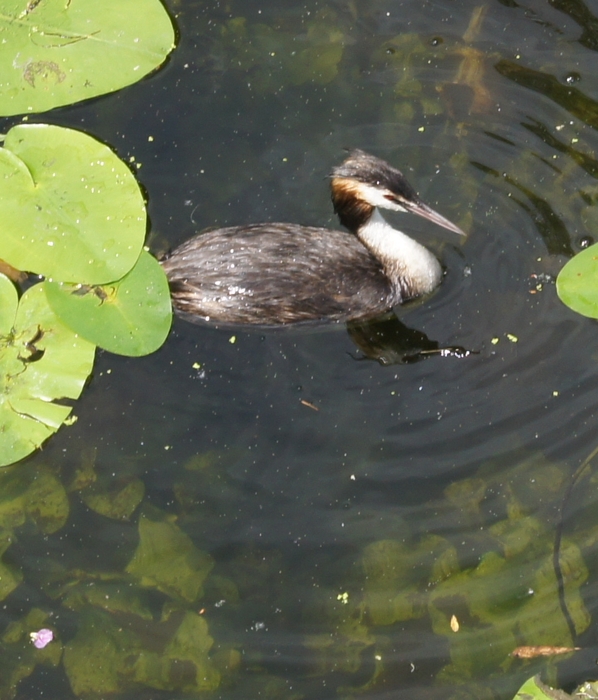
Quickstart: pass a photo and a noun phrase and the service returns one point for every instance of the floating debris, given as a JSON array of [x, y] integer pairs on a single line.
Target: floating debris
[[533, 652], [41, 638]]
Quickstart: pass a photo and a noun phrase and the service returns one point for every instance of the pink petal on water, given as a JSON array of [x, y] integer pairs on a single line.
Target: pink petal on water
[[41, 638]]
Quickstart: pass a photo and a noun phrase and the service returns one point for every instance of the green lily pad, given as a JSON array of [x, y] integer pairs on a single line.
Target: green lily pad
[[534, 689], [46, 502], [54, 53], [71, 210], [111, 596], [96, 660], [41, 360], [19, 657], [107, 657], [129, 317], [32, 492], [8, 305], [191, 644], [167, 559], [118, 500], [10, 578], [577, 283]]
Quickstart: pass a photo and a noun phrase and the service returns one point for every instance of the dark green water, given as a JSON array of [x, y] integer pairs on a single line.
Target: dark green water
[[344, 539]]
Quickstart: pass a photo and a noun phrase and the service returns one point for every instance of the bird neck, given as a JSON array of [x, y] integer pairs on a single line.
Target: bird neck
[[409, 266]]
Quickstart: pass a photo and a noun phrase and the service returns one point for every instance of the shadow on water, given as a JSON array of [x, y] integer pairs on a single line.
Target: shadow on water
[[260, 513], [390, 342]]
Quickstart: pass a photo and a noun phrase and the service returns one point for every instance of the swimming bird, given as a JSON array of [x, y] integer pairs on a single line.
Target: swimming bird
[[282, 273]]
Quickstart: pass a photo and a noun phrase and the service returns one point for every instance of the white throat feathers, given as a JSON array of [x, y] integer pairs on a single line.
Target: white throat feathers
[[409, 265]]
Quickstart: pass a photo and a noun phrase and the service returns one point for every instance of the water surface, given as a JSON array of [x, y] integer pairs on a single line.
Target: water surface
[[353, 507]]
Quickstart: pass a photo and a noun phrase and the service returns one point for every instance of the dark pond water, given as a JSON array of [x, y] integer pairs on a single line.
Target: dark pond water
[[352, 508]]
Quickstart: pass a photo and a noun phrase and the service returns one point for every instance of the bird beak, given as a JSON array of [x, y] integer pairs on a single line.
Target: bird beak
[[427, 212]]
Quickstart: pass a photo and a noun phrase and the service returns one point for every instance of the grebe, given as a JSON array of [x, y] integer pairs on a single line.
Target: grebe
[[277, 274]]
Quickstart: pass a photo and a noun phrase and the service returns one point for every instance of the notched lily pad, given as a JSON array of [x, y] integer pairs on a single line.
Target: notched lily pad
[[55, 53], [41, 361], [129, 317], [71, 210]]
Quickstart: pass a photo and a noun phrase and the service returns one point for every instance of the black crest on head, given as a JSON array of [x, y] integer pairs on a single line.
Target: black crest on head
[[363, 167]]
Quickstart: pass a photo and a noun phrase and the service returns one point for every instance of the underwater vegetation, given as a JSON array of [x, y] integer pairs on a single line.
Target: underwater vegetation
[[157, 612]]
